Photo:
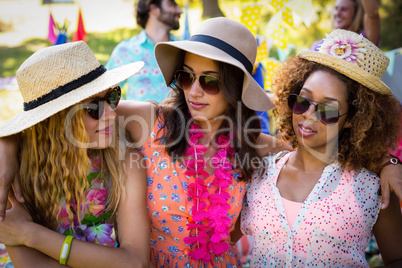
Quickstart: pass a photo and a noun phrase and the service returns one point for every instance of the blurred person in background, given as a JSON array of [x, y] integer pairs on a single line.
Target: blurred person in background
[[359, 16], [157, 18]]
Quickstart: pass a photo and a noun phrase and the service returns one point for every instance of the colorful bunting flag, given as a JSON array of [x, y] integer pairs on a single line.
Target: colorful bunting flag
[[287, 16], [304, 8], [283, 17], [391, 55], [283, 53], [61, 38], [276, 30], [51, 36], [272, 66], [277, 4], [80, 33], [262, 52], [186, 33], [251, 17]]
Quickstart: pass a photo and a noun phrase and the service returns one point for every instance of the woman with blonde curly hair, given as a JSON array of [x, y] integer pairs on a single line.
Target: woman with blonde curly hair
[[74, 182], [320, 204]]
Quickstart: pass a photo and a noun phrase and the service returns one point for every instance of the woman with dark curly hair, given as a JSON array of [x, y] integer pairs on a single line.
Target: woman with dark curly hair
[[320, 204]]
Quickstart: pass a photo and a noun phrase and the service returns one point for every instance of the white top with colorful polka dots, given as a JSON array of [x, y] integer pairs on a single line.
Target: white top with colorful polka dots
[[332, 228]]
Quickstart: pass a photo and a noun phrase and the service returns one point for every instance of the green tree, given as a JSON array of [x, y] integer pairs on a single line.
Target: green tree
[[391, 20]]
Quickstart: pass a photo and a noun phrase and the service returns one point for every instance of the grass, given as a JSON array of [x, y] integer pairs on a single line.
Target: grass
[[102, 44]]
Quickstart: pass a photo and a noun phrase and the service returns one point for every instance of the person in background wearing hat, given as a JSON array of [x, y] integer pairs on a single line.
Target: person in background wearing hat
[[157, 18], [359, 16], [72, 175], [320, 204]]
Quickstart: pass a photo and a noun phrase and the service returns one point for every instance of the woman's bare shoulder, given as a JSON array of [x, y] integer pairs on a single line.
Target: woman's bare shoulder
[[138, 119]]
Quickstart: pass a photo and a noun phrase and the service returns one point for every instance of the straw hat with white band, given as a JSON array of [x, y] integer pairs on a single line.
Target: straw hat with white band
[[57, 77]]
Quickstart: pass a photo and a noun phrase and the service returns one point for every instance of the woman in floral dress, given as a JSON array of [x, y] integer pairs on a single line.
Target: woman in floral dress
[[199, 151], [73, 180]]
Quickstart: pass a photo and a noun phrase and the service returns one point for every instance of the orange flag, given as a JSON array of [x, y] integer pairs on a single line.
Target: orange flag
[[80, 33]]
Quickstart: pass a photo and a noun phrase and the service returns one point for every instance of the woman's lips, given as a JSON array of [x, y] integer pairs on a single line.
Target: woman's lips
[[197, 105], [106, 131], [306, 131]]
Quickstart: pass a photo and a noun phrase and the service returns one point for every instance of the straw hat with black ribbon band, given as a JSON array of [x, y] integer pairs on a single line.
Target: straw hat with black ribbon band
[[224, 40], [354, 56], [57, 77]]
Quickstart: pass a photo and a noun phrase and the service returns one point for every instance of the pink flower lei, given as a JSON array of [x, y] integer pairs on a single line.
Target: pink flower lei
[[211, 223]]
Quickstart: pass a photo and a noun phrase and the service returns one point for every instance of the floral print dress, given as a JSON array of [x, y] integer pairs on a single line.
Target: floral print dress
[[95, 226], [169, 207]]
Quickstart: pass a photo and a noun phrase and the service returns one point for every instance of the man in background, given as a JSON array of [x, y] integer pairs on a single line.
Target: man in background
[[157, 18]]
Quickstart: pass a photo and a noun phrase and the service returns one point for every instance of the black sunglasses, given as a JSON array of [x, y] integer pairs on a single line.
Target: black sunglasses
[[328, 115], [185, 79], [96, 107]]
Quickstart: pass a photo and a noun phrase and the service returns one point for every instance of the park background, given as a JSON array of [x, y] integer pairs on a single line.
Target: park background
[[24, 29]]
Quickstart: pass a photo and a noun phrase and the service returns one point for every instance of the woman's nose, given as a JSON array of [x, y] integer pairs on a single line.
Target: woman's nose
[[311, 113], [195, 89], [109, 113]]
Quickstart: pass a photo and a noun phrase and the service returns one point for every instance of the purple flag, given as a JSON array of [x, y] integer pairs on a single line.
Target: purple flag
[[51, 36]]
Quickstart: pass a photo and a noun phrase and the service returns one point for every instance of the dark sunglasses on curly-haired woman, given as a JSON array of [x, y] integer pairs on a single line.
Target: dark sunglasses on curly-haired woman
[[328, 115]]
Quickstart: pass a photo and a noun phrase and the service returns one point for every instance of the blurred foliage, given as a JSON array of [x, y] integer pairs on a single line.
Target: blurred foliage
[[302, 36], [12, 57], [4, 27], [391, 30], [103, 43]]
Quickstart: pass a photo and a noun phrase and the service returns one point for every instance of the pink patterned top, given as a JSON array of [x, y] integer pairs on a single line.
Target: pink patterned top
[[332, 228], [169, 207]]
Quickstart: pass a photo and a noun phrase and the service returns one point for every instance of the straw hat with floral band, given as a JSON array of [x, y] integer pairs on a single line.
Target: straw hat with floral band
[[354, 56], [224, 40], [57, 77]]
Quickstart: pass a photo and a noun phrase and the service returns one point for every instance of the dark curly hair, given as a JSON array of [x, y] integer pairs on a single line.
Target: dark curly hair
[[375, 118], [243, 121], [142, 11]]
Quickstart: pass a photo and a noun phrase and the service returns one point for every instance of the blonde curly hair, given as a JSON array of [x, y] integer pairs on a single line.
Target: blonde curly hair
[[375, 118], [53, 168]]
